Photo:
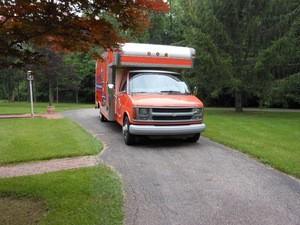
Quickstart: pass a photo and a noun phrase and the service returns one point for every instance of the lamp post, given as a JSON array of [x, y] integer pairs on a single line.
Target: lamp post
[[30, 79]]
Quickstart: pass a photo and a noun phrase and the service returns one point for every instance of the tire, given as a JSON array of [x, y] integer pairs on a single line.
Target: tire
[[194, 138], [102, 118], [129, 138]]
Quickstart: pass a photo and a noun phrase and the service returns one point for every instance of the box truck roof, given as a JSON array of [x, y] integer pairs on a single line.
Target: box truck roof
[[149, 50], [153, 56]]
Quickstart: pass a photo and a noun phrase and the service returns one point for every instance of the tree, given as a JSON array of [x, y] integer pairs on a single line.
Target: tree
[[68, 25], [163, 29], [232, 39], [280, 59], [83, 72], [10, 81], [48, 74]]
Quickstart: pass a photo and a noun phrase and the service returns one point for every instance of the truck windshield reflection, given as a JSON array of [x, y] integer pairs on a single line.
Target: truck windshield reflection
[[158, 83]]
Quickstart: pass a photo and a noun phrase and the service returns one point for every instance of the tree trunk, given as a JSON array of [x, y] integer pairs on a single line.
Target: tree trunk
[[51, 98], [76, 95], [10, 92], [239, 53], [11, 96], [238, 102], [18, 92], [56, 91]]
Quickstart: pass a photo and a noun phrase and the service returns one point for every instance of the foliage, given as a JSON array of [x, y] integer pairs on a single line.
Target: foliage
[[280, 61], [22, 140], [283, 92], [58, 77], [68, 25], [247, 51], [49, 74], [241, 45], [271, 137], [10, 82], [84, 70], [83, 196], [161, 31]]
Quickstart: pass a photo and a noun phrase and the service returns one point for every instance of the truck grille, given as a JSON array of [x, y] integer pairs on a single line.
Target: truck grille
[[171, 110], [171, 117], [172, 114]]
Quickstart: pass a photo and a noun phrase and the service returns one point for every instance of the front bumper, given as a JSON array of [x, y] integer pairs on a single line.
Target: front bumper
[[166, 130]]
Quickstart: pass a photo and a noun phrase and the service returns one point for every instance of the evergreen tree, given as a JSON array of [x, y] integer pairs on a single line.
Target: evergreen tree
[[233, 39]]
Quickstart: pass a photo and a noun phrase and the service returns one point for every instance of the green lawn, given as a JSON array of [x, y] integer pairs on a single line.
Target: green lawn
[[83, 196], [39, 107], [23, 140], [272, 137], [91, 195]]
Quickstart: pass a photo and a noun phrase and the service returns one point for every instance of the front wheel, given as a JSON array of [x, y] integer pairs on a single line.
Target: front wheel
[[194, 138], [102, 118], [128, 137]]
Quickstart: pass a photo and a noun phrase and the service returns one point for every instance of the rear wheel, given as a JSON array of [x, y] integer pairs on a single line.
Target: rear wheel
[[194, 138], [128, 137]]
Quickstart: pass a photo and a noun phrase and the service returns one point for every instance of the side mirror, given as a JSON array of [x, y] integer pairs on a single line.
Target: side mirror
[[195, 92], [111, 86], [111, 89]]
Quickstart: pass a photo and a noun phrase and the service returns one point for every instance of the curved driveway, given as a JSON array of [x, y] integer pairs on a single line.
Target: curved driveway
[[174, 182]]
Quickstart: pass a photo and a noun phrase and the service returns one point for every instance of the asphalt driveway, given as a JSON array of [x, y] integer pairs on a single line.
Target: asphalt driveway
[[174, 182]]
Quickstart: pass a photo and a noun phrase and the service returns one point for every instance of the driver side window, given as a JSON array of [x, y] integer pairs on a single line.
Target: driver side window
[[124, 86]]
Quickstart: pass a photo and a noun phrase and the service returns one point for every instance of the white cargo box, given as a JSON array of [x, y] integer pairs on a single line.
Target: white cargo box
[[150, 55]]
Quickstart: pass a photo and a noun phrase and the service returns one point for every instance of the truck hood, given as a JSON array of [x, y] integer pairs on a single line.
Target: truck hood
[[159, 100]]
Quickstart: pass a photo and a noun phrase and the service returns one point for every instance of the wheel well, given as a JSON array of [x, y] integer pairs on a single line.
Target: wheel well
[[124, 116]]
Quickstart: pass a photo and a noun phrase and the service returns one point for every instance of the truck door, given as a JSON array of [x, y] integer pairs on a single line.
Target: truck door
[[121, 99]]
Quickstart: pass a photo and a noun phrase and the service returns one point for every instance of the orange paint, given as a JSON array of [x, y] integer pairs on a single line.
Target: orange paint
[[156, 61]]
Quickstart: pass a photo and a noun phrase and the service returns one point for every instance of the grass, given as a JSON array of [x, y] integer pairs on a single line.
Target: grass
[[39, 107], [19, 211], [271, 137], [91, 195], [83, 196], [23, 140]]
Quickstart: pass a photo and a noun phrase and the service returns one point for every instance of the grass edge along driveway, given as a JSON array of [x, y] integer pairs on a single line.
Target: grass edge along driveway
[[271, 137]]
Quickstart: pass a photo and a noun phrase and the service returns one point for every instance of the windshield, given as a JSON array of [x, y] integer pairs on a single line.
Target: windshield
[[155, 82]]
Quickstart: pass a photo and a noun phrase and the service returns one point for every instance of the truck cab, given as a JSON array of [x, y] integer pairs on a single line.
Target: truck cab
[[143, 98]]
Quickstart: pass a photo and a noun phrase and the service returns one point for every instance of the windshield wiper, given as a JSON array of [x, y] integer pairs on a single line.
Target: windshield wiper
[[171, 92]]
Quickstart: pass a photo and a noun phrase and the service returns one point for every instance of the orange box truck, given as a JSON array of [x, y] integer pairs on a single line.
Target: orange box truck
[[136, 86]]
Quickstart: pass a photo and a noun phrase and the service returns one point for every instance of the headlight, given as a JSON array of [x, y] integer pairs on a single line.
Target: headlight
[[197, 111], [143, 111]]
